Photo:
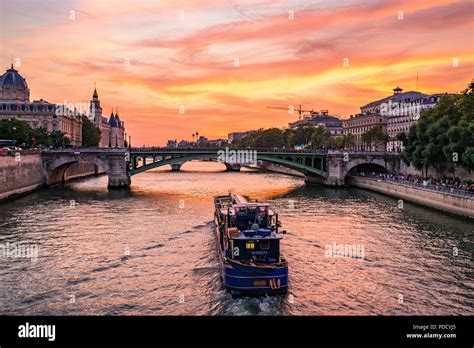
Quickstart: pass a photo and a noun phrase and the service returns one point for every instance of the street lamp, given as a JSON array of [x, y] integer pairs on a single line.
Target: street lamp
[[14, 135]]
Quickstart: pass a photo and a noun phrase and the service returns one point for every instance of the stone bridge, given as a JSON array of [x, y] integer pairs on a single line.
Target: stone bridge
[[319, 167]]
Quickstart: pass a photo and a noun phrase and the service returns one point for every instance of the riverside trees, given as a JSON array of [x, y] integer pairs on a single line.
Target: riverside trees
[[90, 133], [14, 129], [314, 137], [443, 137]]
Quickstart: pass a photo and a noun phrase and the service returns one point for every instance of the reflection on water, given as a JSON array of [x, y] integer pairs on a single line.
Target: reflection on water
[[138, 252]]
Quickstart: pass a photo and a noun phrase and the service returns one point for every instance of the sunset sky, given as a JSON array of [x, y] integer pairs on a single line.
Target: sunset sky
[[185, 52]]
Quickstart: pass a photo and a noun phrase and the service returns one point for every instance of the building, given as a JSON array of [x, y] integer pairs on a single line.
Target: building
[[172, 143], [202, 139], [238, 135], [402, 110], [361, 123], [320, 119], [15, 103], [112, 130], [217, 142]]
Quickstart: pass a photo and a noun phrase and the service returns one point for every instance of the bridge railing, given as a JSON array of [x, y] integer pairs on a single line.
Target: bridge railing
[[79, 150], [213, 149], [273, 150]]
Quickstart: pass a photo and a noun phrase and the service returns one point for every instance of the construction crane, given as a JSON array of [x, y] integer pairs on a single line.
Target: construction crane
[[291, 109]]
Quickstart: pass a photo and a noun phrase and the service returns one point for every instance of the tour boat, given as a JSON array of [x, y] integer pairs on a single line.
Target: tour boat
[[248, 243]]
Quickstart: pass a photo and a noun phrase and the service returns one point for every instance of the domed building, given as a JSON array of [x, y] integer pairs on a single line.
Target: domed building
[[15, 103], [13, 86]]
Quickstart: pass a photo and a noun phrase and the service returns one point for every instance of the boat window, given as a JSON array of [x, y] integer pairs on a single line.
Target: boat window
[[264, 244]]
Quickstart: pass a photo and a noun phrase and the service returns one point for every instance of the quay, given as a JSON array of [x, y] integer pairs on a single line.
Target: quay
[[453, 202]]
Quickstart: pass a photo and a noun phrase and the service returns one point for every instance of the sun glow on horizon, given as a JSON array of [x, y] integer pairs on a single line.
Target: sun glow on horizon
[[149, 58]]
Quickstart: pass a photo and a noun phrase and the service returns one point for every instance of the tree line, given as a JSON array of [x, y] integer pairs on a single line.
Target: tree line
[[443, 137], [25, 136], [314, 137], [304, 137]]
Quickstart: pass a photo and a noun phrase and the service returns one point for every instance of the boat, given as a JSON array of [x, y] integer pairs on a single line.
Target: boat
[[248, 244]]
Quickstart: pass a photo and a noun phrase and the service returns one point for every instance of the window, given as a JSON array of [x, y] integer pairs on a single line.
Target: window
[[264, 244]]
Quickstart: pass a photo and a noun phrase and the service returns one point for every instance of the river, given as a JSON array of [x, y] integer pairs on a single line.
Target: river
[[150, 250]]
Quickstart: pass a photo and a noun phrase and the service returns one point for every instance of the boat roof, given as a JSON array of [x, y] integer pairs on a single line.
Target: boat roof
[[242, 236], [250, 205]]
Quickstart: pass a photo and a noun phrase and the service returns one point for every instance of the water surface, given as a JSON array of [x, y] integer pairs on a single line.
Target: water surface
[[151, 251]]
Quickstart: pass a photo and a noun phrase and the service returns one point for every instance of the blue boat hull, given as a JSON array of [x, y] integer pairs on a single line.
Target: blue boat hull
[[253, 280]]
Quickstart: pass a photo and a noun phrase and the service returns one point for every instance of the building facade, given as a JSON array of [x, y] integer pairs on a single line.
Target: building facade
[[361, 123], [320, 119], [395, 114], [112, 129], [15, 103]]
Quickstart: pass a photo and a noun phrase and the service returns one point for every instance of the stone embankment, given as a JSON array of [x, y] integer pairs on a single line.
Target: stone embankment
[[451, 203], [24, 173]]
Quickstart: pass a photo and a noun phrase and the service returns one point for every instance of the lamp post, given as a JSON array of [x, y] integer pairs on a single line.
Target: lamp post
[[14, 136]]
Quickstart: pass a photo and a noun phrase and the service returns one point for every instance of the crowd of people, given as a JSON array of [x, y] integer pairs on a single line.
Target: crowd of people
[[452, 185]]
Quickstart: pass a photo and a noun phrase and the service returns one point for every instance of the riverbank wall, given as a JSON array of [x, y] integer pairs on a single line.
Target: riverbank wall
[[23, 173], [450, 203]]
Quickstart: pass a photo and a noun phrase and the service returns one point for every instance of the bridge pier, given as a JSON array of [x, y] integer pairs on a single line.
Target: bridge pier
[[176, 167], [118, 174], [232, 167]]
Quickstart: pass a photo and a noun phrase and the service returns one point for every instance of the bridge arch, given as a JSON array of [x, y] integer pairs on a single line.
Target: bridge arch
[[302, 165], [362, 165], [56, 170]]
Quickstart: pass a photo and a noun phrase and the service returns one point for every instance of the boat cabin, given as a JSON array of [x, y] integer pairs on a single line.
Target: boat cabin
[[248, 231]]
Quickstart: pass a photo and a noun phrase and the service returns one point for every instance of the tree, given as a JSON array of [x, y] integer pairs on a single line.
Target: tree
[[468, 159], [343, 142], [443, 137], [272, 137], [21, 131], [14, 129], [320, 138], [90, 133], [374, 136], [58, 139], [302, 136]]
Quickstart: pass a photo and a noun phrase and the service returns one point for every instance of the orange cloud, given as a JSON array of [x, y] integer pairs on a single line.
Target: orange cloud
[[150, 57]]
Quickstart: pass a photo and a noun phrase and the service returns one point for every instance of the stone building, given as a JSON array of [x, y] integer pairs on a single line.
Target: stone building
[[361, 123], [321, 119], [112, 129], [395, 113], [15, 103]]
